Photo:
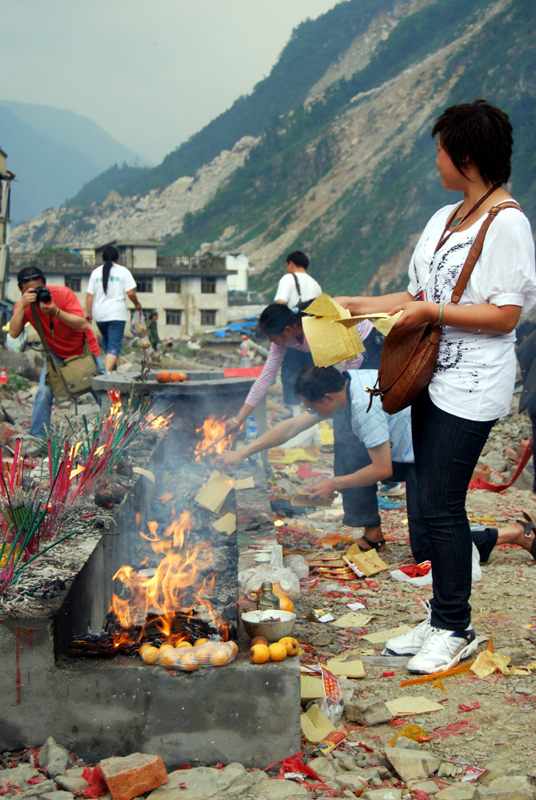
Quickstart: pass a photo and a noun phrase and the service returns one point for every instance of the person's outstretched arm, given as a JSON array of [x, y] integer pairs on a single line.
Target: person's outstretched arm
[[277, 435], [380, 469]]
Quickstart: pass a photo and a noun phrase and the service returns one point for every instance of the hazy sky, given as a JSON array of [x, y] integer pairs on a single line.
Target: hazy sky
[[150, 72]]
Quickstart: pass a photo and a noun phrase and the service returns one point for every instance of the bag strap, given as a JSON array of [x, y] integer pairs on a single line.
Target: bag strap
[[41, 333], [297, 284], [40, 330], [475, 251]]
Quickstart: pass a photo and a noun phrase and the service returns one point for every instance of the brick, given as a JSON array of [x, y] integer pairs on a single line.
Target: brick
[[134, 775]]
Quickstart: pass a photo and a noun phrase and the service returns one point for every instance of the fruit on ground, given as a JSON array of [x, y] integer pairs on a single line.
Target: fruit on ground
[[285, 603], [291, 644], [183, 643], [219, 657], [176, 377], [278, 651], [162, 377], [200, 642], [186, 661], [149, 654], [259, 640], [259, 653]]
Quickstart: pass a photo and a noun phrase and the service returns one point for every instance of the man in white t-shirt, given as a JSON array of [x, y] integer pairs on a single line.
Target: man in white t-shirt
[[295, 287]]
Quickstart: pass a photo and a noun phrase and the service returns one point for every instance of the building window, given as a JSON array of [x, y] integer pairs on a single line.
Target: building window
[[173, 285], [208, 317], [208, 285], [173, 317], [74, 283], [144, 284]]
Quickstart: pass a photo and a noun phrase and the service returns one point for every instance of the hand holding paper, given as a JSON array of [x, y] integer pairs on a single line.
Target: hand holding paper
[[382, 322]]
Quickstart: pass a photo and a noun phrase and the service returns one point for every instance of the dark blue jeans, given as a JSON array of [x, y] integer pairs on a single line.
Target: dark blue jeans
[[446, 452], [361, 504]]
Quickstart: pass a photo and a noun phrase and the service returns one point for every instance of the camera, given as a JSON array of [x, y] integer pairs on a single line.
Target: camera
[[42, 295]]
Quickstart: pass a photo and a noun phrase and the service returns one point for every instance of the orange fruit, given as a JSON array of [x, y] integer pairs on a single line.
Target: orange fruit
[[162, 377], [232, 648], [150, 654], [278, 651], [178, 376], [183, 643], [200, 642], [187, 661], [259, 640], [259, 653], [168, 658], [219, 657], [165, 645], [291, 644]]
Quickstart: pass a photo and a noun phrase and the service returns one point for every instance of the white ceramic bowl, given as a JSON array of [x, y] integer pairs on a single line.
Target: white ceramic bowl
[[273, 624]]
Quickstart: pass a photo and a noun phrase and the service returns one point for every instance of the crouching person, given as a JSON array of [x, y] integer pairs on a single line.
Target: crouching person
[[326, 392], [64, 327]]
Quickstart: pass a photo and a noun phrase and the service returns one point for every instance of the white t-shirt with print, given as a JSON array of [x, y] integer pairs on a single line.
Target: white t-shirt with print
[[475, 372], [111, 306], [287, 291]]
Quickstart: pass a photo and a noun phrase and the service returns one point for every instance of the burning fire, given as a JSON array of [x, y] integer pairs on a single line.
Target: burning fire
[[173, 587], [159, 422], [213, 430]]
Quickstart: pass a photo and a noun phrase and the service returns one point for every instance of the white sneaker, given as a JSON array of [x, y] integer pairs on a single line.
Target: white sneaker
[[411, 642], [443, 649]]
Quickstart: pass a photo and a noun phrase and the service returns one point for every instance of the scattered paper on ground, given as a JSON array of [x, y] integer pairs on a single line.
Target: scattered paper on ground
[[486, 663], [291, 455], [369, 562], [245, 483], [315, 725], [311, 688], [352, 620], [147, 473], [382, 322], [412, 705], [212, 496], [226, 524], [381, 636], [349, 669]]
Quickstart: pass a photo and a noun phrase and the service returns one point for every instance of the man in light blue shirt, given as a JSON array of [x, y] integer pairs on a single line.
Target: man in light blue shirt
[[328, 393]]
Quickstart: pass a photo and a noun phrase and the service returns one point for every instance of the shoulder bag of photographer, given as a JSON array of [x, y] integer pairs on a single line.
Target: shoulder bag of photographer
[[409, 357], [74, 376]]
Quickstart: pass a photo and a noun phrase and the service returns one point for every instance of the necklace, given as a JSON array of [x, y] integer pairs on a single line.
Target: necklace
[[445, 236]]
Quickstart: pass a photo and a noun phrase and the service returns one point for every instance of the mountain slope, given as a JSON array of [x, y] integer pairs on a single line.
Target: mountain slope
[[74, 130], [47, 171], [313, 47], [53, 153], [349, 176]]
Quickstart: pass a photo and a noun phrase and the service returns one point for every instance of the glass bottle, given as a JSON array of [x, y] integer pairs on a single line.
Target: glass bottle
[[267, 599]]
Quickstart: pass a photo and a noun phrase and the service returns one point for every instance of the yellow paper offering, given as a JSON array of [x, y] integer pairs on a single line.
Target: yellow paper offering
[[330, 344], [382, 322]]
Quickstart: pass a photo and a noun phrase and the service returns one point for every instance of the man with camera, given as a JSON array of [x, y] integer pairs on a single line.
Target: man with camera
[[64, 326]]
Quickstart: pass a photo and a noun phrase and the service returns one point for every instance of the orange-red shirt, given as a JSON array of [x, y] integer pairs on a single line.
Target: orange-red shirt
[[66, 341]]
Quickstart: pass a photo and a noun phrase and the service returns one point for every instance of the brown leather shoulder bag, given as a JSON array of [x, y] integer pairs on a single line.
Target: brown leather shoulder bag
[[409, 357]]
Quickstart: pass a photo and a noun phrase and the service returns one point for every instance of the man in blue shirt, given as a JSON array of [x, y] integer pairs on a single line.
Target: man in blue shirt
[[326, 392]]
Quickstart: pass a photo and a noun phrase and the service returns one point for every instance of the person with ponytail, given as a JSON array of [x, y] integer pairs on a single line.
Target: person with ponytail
[[105, 302], [283, 327]]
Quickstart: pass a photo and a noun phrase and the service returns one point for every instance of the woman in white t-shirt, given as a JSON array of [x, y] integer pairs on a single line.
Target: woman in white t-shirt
[[106, 304], [473, 381]]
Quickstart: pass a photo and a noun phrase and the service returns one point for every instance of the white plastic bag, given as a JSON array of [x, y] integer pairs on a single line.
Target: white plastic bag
[[137, 324], [16, 345], [298, 565]]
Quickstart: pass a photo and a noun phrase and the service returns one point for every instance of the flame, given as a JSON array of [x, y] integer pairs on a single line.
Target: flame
[[115, 402], [160, 422], [75, 472], [213, 429], [175, 585]]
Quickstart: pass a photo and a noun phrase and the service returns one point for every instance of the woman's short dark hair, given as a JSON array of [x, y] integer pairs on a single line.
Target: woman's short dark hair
[[315, 382], [481, 133], [30, 274], [298, 258], [276, 317]]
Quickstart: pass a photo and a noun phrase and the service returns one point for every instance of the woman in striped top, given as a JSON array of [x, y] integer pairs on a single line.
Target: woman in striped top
[[283, 326]]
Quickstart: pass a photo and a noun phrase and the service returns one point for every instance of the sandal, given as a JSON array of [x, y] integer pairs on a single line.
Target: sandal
[[528, 526], [378, 546]]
